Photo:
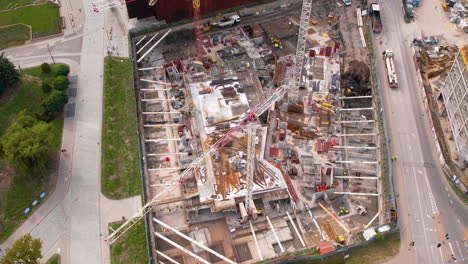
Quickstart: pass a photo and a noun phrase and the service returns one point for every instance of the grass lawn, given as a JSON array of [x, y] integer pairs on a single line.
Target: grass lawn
[[17, 191], [55, 259], [44, 19], [13, 36], [132, 247], [10, 4], [373, 253], [121, 175]]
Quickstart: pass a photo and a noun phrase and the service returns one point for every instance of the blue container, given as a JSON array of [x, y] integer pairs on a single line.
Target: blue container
[[416, 3]]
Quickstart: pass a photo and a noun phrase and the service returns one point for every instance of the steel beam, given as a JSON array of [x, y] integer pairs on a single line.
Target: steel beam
[[274, 233], [163, 139], [166, 257], [162, 169], [356, 135], [155, 100], [361, 194], [194, 241], [166, 154], [295, 229], [153, 81], [356, 121], [138, 43], [152, 47], [181, 248], [156, 113], [356, 162], [162, 125], [355, 97], [150, 68], [356, 177], [372, 220], [353, 147], [148, 42], [256, 242], [153, 90], [334, 217], [315, 222], [355, 109]]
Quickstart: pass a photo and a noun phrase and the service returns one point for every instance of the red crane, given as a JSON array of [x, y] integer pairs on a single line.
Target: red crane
[[197, 28]]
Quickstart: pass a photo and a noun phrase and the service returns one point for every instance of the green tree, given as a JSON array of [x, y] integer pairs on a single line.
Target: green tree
[[26, 143], [46, 87], [25, 250], [8, 74], [61, 83], [55, 101], [379, 236], [45, 67], [62, 70]]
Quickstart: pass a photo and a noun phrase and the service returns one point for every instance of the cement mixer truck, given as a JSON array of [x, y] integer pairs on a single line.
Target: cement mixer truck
[[388, 56]]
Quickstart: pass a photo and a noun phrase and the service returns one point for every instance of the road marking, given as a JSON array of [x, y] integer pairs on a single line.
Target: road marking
[[451, 202], [435, 210], [441, 257], [421, 213], [446, 188], [448, 195], [451, 249], [459, 249]]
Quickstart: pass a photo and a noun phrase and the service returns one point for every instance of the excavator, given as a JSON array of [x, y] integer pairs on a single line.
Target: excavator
[[207, 27]]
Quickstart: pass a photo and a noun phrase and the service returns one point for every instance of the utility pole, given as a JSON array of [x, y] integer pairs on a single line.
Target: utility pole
[[50, 53]]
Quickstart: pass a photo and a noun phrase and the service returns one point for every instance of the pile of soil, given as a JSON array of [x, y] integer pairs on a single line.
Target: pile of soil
[[357, 79]]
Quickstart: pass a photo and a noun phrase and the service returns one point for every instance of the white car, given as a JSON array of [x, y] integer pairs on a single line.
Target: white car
[[347, 2]]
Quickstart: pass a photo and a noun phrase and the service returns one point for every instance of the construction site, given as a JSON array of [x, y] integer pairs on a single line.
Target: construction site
[[443, 71], [259, 139]]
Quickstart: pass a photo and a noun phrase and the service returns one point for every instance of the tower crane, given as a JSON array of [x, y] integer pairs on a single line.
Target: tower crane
[[250, 167], [197, 27], [300, 50], [244, 120]]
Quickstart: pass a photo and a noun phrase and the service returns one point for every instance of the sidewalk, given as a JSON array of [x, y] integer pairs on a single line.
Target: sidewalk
[[47, 212]]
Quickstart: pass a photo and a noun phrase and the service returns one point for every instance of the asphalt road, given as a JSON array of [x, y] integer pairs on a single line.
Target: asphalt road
[[427, 207]]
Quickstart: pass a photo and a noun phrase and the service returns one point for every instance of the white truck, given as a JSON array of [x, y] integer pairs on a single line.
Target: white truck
[[228, 21], [388, 56]]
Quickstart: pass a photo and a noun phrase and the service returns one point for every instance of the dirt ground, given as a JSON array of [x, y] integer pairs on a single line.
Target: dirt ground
[[220, 242], [357, 78], [350, 34]]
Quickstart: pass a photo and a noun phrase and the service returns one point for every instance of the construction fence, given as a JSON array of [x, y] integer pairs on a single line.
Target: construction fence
[[141, 149]]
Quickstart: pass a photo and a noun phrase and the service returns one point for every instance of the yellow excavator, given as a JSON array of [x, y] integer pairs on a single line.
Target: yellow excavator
[[207, 27]]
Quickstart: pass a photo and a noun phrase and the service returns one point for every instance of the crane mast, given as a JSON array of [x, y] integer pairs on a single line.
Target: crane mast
[[197, 29], [300, 50], [250, 167]]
